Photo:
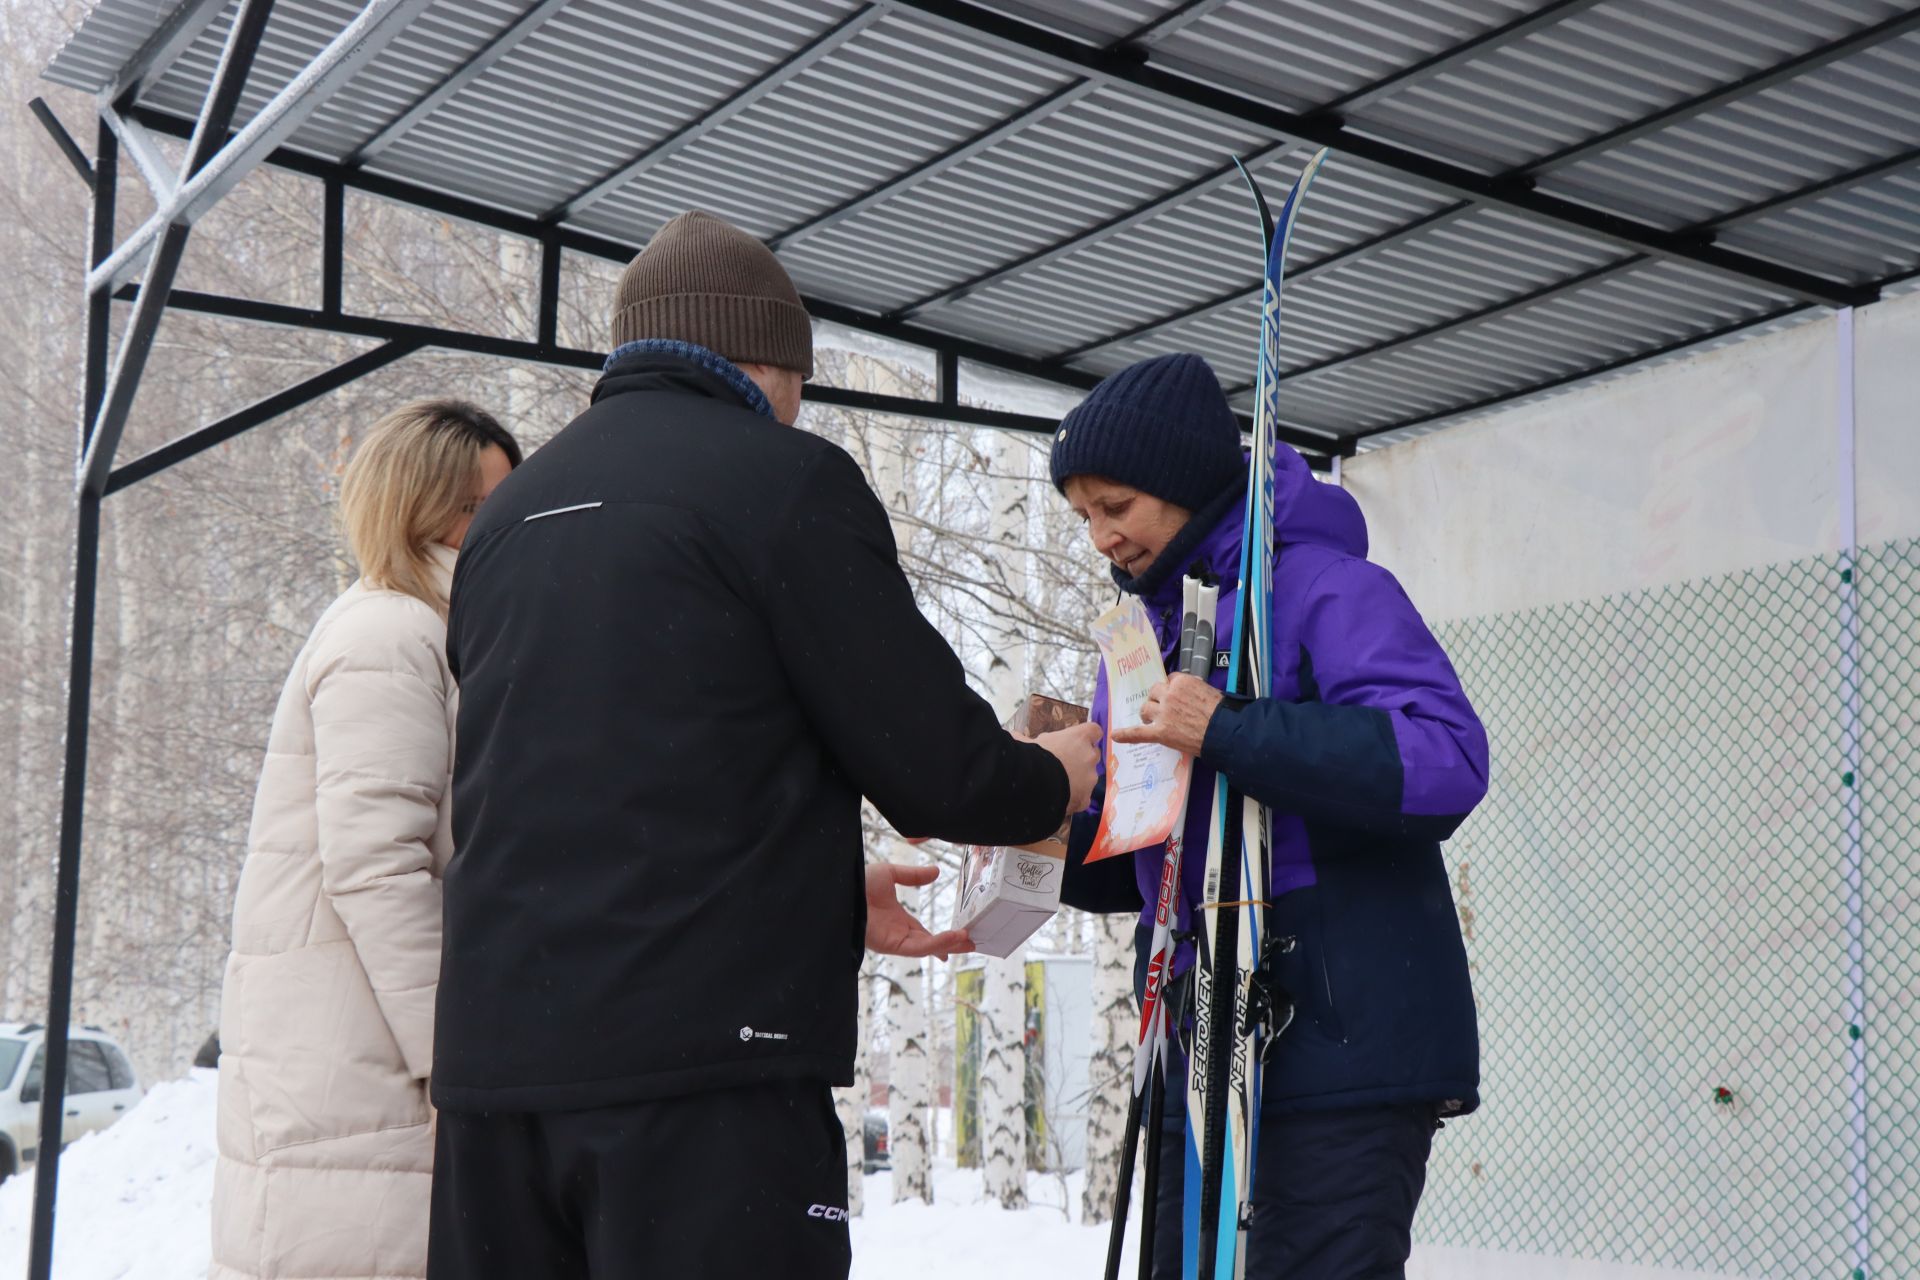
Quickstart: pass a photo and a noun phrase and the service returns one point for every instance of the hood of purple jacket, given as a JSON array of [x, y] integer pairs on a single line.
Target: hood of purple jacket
[[1305, 511]]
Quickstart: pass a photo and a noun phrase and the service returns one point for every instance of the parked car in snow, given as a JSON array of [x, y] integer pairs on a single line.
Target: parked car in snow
[[101, 1088]]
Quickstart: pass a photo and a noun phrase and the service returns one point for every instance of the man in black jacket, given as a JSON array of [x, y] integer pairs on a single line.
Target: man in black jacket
[[685, 651]]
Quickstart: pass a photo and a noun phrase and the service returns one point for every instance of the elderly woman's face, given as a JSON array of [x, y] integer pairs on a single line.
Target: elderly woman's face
[[1127, 526]]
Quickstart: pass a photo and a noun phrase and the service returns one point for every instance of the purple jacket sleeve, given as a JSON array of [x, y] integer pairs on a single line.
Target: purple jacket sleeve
[[1383, 738]]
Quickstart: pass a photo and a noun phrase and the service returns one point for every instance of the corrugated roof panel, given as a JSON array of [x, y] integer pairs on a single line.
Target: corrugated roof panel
[[1034, 190], [1873, 229], [1405, 302], [1602, 69], [105, 41], [1646, 309], [296, 31], [1299, 55], [1832, 120], [598, 84], [1204, 249], [1454, 270], [913, 94]]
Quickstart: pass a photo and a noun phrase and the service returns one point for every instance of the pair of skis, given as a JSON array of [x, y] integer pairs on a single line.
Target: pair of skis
[[1235, 1015]]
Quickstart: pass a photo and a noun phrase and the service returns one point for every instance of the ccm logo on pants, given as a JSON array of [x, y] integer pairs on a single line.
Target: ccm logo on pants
[[827, 1211]]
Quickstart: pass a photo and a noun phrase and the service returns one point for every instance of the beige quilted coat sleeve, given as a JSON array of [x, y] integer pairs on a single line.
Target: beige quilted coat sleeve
[[382, 756]]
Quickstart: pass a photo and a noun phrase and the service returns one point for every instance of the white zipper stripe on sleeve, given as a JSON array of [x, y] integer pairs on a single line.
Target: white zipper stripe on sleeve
[[559, 511]]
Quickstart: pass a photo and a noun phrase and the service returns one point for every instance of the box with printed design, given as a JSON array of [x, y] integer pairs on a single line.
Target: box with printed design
[[1008, 892]]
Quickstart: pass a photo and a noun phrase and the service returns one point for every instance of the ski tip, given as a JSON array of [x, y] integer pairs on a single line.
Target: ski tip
[[1260, 199], [1312, 166]]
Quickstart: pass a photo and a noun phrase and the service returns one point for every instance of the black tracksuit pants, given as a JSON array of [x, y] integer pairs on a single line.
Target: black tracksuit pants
[[1334, 1193], [731, 1183]]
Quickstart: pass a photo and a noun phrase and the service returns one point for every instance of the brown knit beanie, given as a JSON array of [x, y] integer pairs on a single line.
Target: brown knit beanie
[[705, 281]]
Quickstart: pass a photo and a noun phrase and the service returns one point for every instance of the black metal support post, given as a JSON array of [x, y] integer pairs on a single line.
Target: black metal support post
[[333, 240], [66, 894], [73, 787], [949, 381], [549, 320]]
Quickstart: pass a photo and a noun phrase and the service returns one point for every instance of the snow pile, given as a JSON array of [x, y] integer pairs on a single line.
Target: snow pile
[[134, 1202], [134, 1199]]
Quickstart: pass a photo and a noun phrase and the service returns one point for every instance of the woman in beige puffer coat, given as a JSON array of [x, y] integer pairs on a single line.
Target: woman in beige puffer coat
[[326, 1025]]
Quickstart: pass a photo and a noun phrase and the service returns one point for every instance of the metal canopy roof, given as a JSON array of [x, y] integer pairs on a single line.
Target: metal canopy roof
[[1523, 194]]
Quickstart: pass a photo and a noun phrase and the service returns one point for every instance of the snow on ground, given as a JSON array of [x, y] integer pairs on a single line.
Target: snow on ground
[[134, 1199], [961, 1234], [134, 1203]]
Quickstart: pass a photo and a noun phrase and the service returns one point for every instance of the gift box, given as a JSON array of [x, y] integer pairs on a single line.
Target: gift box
[[1008, 892]]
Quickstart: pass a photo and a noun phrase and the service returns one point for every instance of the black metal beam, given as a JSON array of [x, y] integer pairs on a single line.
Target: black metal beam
[[261, 411], [1582, 375], [934, 410], [392, 332], [73, 783], [986, 139], [608, 250], [469, 71], [208, 137], [397, 334], [1721, 95], [1515, 192], [1480, 46], [1298, 275], [62, 139], [100, 230], [1113, 226], [612, 250], [229, 82], [806, 56]]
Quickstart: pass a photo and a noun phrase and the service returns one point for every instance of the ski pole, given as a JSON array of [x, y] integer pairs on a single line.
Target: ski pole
[[1149, 1051]]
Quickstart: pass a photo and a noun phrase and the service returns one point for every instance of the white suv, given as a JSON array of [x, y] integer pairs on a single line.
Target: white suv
[[100, 1088]]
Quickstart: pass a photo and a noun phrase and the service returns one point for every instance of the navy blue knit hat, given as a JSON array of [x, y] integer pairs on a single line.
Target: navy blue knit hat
[[1162, 426]]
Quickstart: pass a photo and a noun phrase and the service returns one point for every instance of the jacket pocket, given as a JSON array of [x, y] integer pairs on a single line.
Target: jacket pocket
[[320, 1060], [1304, 971]]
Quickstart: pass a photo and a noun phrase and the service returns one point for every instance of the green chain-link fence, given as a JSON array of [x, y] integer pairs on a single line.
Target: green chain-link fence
[[1691, 904]]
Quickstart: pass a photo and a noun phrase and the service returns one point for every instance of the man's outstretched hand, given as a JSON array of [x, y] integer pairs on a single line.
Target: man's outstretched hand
[[891, 928]]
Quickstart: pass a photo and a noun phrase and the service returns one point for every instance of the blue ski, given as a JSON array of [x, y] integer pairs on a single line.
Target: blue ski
[[1232, 1018]]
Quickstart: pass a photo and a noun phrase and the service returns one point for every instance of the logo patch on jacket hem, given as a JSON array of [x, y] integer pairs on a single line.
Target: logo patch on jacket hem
[[749, 1034]]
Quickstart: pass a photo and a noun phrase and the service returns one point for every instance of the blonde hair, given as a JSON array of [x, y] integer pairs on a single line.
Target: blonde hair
[[409, 482]]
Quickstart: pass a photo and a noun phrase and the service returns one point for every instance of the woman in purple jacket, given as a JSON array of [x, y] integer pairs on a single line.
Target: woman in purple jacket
[[1368, 755]]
